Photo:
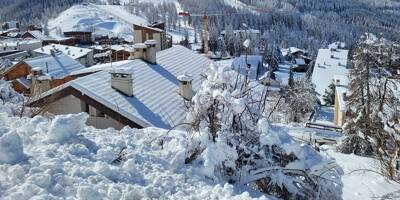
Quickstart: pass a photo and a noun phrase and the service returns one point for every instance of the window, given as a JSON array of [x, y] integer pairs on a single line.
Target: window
[[84, 107]]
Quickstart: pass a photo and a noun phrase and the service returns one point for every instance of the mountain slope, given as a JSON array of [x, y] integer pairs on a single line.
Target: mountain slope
[[102, 19]]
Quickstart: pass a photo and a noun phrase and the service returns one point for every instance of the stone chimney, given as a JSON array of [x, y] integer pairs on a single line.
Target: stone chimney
[[151, 51], [122, 80], [53, 52], [39, 82], [145, 51], [185, 86]]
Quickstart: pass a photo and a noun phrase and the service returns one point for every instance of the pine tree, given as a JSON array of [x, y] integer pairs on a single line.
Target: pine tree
[[329, 96], [372, 123]]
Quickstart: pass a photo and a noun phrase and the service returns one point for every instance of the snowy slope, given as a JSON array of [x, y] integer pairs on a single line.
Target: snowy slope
[[361, 185], [104, 20]]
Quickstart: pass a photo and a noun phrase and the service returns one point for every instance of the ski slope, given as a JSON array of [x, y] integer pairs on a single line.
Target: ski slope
[[102, 19]]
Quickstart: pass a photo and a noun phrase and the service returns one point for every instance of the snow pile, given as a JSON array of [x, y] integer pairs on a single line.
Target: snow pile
[[10, 100], [64, 127], [61, 158], [11, 149]]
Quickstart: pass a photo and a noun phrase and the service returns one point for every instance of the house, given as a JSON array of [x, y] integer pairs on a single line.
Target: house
[[15, 45], [33, 27], [154, 32], [147, 91], [341, 83], [292, 53], [330, 62], [82, 37], [11, 26], [252, 65], [120, 52], [36, 75], [299, 65], [62, 40], [34, 35], [82, 55]]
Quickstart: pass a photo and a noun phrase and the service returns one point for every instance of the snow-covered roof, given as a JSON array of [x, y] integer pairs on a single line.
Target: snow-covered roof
[[328, 64], [299, 61], [58, 66], [337, 45], [156, 101], [283, 74], [71, 51], [100, 67], [127, 48], [17, 42], [38, 35], [292, 50], [256, 69]]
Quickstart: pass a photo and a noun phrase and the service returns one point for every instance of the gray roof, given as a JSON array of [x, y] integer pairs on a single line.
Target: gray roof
[[156, 101], [57, 66]]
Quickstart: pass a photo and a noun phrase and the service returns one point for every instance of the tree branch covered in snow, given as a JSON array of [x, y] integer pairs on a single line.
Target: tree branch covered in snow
[[234, 142]]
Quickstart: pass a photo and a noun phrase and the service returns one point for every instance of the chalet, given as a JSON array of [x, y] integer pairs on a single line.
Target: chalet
[[36, 75], [82, 37], [15, 45], [147, 91], [330, 62], [154, 32], [120, 52], [34, 35], [82, 55], [11, 26], [62, 40], [251, 65], [299, 65], [292, 53], [33, 27]]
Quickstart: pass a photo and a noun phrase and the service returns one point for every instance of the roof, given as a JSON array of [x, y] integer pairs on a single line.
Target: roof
[[292, 50], [156, 101], [328, 64], [337, 45], [299, 61], [71, 51], [58, 66], [38, 35], [255, 61], [100, 67]]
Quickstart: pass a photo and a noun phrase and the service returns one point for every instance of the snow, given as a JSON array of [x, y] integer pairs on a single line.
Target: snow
[[61, 158], [71, 51], [361, 185], [102, 19], [11, 149], [100, 67], [81, 166], [57, 66], [65, 127]]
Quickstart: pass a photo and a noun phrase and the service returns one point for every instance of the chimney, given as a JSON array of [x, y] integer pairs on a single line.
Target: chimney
[[185, 86], [151, 51], [145, 51], [122, 80], [139, 50], [39, 82], [53, 52]]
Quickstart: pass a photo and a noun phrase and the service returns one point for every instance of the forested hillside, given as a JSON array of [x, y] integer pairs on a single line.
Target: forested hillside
[[32, 10], [309, 24]]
